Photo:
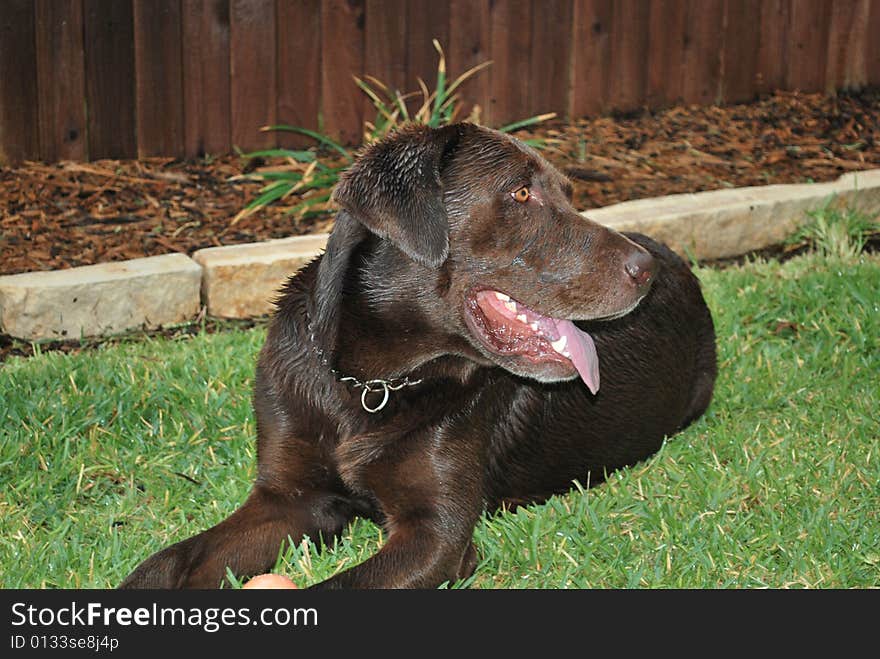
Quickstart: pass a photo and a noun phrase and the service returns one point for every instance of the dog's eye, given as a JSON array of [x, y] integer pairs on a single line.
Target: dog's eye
[[522, 195]]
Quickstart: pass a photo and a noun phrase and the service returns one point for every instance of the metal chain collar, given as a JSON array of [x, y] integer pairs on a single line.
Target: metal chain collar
[[370, 386], [375, 386]]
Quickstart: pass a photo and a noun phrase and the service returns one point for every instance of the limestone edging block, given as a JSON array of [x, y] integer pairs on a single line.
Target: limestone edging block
[[722, 223], [241, 281], [100, 299]]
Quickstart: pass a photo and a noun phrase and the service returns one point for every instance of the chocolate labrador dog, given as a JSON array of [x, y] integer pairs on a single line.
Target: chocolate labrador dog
[[467, 341]]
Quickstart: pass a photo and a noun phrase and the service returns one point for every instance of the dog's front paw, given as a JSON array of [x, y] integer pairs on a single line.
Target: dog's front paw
[[165, 570]]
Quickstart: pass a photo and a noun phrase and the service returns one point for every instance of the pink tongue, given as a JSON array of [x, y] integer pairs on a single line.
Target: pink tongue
[[583, 352]]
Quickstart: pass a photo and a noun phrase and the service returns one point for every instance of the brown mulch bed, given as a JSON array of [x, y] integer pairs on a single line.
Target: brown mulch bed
[[69, 214]]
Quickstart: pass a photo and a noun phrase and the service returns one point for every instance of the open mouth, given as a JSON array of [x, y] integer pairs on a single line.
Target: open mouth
[[509, 328]]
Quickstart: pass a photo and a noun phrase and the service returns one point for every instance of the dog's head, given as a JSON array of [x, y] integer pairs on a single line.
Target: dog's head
[[485, 225]]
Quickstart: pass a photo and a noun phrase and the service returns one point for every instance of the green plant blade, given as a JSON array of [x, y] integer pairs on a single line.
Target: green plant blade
[[437, 114], [523, 123], [270, 193], [299, 156], [323, 139], [306, 204], [274, 176], [378, 103]]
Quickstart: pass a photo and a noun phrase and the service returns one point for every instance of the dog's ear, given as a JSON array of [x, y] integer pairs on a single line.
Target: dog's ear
[[324, 304], [394, 189]]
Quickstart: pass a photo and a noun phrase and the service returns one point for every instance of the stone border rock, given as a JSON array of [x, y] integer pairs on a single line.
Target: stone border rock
[[102, 299], [240, 281], [722, 223]]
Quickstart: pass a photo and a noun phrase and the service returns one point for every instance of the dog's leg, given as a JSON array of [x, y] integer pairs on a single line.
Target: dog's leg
[[429, 491], [413, 557], [247, 542]]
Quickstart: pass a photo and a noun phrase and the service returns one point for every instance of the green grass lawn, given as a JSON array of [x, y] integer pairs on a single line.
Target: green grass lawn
[[111, 454]]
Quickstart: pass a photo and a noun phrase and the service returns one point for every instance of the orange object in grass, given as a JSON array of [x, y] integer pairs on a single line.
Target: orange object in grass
[[270, 582]]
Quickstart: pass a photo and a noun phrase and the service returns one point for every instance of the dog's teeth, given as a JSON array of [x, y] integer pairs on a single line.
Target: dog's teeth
[[559, 345], [511, 306], [566, 354], [534, 326], [502, 296], [522, 318]]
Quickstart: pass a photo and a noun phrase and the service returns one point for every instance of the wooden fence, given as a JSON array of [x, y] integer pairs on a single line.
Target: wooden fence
[[87, 79]]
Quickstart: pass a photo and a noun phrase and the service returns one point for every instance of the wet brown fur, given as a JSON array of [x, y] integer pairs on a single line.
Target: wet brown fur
[[427, 218]]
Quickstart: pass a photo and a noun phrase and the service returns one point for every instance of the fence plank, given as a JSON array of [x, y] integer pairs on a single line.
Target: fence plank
[[511, 42], [551, 56], [205, 56], [385, 28], [591, 57], [342, 48], [666, 51], [701, 70], [299, 69], [61, 79], [629, 42], [252, 72], [808, 44], [158, 77], [847, 45], [110, 97], [772, 55], [19, 134], [872, 56], [739, 55], [470, 34], [426, 20]]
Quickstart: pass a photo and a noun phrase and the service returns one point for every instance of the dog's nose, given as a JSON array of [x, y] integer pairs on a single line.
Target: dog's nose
[[640, 267]]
